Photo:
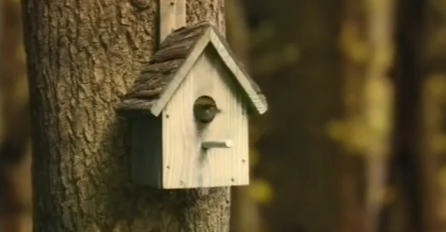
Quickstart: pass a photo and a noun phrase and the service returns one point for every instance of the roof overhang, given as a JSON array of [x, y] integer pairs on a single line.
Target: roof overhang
[[211, 37]]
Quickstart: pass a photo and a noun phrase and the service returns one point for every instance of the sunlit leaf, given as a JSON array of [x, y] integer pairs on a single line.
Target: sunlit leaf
[[336, 130], [438, 143], [253, 157], [377, 5], [442, 177], [353, 135], [384, 58], [291, 53], [378, 92], [358, 52], [261, 191], [436, 85], [20, 53], [353, 46]]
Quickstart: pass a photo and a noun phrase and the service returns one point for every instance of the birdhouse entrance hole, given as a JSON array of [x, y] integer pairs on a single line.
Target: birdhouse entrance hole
[[205, 109]]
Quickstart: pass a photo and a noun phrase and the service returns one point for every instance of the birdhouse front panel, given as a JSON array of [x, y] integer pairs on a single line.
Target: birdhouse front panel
[[188, 111], [205, 129]]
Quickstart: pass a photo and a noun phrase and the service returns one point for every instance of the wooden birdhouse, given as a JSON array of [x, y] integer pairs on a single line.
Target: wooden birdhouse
[[188, 113]]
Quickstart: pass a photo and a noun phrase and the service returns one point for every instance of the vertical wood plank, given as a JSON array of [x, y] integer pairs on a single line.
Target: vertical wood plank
[[188, 165], [172, 16]]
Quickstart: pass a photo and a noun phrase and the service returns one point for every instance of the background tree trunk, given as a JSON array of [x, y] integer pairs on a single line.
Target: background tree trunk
[[295, 57], [244, 209], [81, 58], [433, 98], [367, 47], [15, 149], [352, 177], [408, 166]]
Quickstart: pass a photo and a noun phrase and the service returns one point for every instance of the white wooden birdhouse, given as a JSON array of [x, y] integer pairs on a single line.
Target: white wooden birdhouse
[[188, 113]]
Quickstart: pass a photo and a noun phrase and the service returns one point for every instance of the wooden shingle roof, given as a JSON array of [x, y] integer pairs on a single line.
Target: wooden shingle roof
[[170, 64]]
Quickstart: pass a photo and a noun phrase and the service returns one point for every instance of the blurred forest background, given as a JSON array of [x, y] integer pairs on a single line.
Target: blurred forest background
[[354, 141]]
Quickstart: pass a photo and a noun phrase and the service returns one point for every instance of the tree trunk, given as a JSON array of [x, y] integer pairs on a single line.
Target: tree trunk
[[433, 124], [367, 45], [244, 210], [353, 39], [296, 59], [15, 149], [407, 162], [81, 58]]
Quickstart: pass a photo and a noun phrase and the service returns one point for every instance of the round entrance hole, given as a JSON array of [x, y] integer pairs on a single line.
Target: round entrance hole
[[205, 109]]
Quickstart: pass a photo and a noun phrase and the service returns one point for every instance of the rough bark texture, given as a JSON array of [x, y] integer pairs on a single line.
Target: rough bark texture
[[82, 56]]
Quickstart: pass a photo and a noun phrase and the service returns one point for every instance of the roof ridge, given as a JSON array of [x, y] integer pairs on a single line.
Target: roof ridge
[[176, 54]]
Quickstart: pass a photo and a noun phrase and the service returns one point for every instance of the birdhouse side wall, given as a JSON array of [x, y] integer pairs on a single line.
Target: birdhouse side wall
[[185, 163], [147, 151]]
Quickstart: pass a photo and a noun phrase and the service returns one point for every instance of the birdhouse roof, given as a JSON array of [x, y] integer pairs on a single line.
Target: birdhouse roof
[[171, 63]]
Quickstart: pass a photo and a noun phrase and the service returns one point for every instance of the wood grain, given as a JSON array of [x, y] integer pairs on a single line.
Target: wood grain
[[211, 37], [179, 76], [186, 164], [248, 85], [172, 16]]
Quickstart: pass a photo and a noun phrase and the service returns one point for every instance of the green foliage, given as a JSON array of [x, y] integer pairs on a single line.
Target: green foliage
[[261, 191], [279, 56], [263, 34], [290, 53], [353, 46], [360, 133]]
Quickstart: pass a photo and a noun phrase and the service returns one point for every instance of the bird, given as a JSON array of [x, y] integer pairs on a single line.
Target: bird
[[205, 109]]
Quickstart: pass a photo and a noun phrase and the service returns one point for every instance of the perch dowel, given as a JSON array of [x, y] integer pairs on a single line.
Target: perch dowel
[[217, 144]]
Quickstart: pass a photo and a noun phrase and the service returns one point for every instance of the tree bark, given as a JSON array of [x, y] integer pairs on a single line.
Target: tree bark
[[81, 58]]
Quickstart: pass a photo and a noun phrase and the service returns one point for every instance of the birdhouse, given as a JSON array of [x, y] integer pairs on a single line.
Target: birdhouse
[[188, 113]]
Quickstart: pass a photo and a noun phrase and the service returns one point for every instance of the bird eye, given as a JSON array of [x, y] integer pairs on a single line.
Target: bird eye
[[205, 109]]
